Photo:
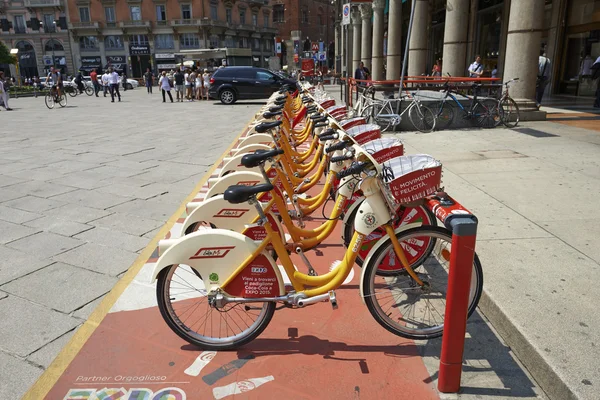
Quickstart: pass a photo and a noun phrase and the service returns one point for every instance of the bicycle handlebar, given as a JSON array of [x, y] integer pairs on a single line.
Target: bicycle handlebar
[[338, 146], [329, 137], [348, 156], [353, 170]]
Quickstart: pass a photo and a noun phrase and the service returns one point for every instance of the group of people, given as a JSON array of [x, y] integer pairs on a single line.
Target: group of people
[[108, 83], [189, 84]]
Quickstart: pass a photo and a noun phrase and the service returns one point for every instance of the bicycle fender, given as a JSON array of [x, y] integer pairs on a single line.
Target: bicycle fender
[[251, 148], [257, 138], [235, 164], [354, 205], [377, 245], [247, 178], [216, 254]]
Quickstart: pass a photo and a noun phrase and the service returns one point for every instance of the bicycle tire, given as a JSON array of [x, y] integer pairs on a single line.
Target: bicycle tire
[[510, 116], [49, 100], [444, 113], [62, 100], [165, 305], [384, 123], [89, 90], [428, 218], [422, 118], [409, 296], [486, 113], [73, 92]]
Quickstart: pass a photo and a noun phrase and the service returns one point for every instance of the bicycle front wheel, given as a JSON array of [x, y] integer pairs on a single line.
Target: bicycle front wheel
[[422, 118], [183, 304], [487, 113], [62, 100], [72, 91], [89, 90], [49, 100], [510, 116], [444, 114], [398, 303]]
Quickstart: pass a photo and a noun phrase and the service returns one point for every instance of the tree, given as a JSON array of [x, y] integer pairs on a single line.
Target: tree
[[5, 56]]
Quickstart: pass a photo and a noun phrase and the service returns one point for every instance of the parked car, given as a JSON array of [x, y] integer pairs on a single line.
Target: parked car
[[46, 83], [131, 83], [230, 84]]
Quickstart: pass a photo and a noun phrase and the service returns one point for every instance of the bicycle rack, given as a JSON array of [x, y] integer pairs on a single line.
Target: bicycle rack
[[463, 225]]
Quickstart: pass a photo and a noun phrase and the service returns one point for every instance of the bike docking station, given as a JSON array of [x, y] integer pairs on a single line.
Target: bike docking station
[[309, 350]]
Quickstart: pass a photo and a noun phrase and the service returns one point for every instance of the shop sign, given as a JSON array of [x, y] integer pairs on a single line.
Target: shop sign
[[27, 59], [165, 56], [91, 62], [117, 62], [139, 49], [167, 66]]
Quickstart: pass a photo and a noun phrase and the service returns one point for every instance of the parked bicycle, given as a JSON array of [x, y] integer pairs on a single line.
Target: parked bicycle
[[509, 108], [73, 90], [53, 98], [365, 99], [485, 112]]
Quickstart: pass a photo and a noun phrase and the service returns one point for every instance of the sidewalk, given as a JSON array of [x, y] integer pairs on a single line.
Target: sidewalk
[[534, 190]]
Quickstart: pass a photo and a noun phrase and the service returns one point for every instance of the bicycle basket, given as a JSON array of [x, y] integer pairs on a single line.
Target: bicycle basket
[[326, 103], [352, 122], [336, 112], [411, 178], [384, 149], [364, 133]]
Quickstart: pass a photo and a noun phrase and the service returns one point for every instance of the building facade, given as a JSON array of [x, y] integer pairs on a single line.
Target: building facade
[[38, 29]]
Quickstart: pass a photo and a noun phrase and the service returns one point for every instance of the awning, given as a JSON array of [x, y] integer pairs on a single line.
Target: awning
[[203, 54]]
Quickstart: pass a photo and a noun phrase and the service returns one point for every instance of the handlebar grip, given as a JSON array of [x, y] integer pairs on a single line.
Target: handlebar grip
[[329, 137], [326, 132], [353, 170], [338, 146], [342, 158]]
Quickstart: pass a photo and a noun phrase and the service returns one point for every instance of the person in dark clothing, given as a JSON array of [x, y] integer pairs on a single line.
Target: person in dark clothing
[[79, 82], [149, 79], [179, 84]]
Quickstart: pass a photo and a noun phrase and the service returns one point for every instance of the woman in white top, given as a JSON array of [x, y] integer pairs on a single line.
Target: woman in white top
[[206, 78], [199, 87], [165, 85]]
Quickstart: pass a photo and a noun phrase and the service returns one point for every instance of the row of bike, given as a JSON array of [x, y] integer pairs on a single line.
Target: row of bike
[[430, 110], [223, 276]]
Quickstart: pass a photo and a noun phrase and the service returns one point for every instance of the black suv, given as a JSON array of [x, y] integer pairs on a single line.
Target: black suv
[[230, 84]]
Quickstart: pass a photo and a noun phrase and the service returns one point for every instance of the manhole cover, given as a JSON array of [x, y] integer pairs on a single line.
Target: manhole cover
[[534, 132]]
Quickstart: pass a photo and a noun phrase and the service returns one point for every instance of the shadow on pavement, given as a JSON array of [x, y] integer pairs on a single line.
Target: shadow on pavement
[[238, 103]]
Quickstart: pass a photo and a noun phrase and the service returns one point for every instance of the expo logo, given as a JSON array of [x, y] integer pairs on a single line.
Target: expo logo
[[258, 270], [212, 252], [231, 213], [171, 393]]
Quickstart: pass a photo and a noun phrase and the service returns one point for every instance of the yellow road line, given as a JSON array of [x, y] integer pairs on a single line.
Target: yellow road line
[[49, 378]]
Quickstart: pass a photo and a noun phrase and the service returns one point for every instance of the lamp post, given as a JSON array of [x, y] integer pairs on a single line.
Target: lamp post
[[15, 52], [50, 29]]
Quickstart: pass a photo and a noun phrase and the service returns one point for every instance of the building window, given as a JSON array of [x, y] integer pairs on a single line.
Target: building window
[[278, 13], [242, 16], [189, 41], [19, 24], [109, 13], [49, 23], [84, 14], [53, 45], [304, 16], [161, 12], [256, 44], [228, 17], [243, 43], [113, 42], [88, 43], [320, 17], [138, 40], [136, 13], [214, 41], [214, 14], [266, 22], [164, 41], [186, 11], [254, 19], [229, 42], [268, 45]]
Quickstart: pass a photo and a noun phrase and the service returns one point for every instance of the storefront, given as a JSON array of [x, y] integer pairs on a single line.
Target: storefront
[[118, 63], [88, 64], [27, 61], [140, 59], [165, 62]]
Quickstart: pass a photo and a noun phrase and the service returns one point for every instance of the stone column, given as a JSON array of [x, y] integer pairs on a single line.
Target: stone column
[[417, 56], [356, 35], [366, 13], [522, 52], [377, 55], [394, 47], [343, 50], [455, 37], [337, 45], [552, 49], [102, 49]]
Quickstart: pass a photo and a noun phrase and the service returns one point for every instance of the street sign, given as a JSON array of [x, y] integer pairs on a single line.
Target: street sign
[[315, 47], [322, 56], [346, 14]]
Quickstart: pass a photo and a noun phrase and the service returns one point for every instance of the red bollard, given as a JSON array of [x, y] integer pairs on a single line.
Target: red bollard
[[463, 225]]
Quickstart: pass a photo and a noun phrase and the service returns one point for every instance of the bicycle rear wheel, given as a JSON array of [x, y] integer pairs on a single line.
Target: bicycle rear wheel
[[487, 113], [403, 307], [422, 118], [371, 115], [510, 116], [89, 90], [444, 114], [72, 91], [49, 100]]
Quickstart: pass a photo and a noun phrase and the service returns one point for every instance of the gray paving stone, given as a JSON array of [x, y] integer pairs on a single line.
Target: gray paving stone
[[58, 225], [14, 263], [17, 376], [72, 287], [39, 189], [98, 258], [37, 174], [36, 325], [7, 193], [68, 166], [93, 157], [139, 192], [82, 180], [6, 180], [85, 311], [113, 171], [3, 295], [48, 353], [10, 231], [112, 238], [45, 244], [147, 208], [128, 223], [33, 204], [92, 198], [76, 213]]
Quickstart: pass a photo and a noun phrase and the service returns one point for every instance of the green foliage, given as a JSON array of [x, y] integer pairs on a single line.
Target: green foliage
[[5, 56]]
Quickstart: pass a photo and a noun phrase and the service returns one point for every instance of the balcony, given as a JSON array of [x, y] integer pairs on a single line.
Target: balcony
[[84, 27], [185, 22], [246, 27], [273, 31], [130, 26], [161, 23], [42, 3], [20, 29]]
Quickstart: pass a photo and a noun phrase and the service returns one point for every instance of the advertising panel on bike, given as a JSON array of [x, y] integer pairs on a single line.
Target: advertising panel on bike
[[414, 177]]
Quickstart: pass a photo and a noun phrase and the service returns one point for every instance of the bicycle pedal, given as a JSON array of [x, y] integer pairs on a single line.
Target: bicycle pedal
[[333, 300]]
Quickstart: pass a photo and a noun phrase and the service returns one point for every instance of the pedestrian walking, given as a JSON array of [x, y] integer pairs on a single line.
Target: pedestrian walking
[[206, 86], [105, 84], [595, 74], [179, 78], [113, 80], [165, 85], [199, 85], [149, 80], [124, 81], [4, 92], [476, 69], [543, 77], [94, 78]]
